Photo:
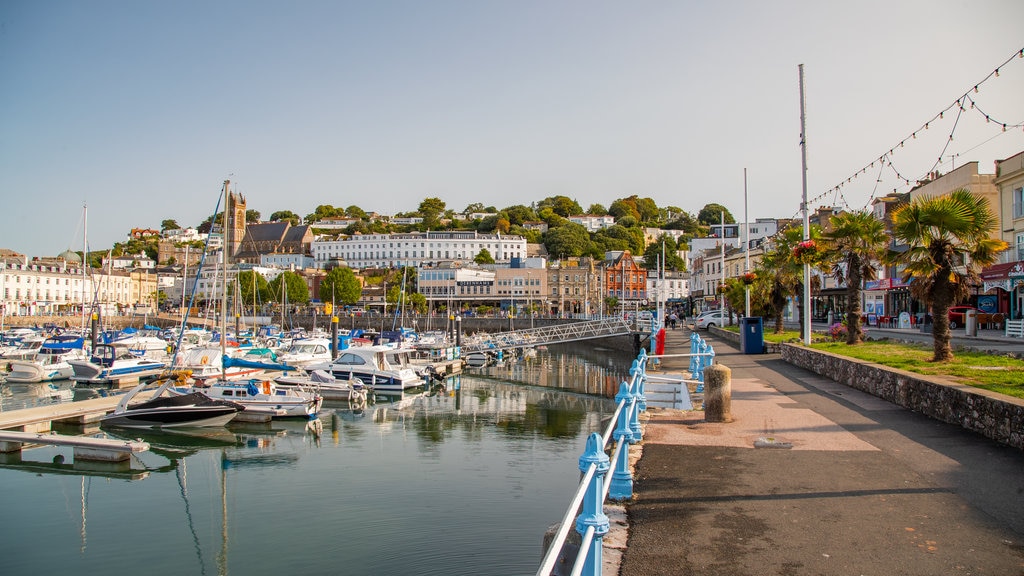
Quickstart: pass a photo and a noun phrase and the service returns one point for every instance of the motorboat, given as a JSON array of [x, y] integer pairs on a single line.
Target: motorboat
[[379, 367], [262, 395], [171, 411], [207, 363], [306, 352], [325, 384], [111, 362], [51, 361]]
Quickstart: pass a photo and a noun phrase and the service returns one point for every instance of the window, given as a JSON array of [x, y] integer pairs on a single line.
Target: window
[[1018, 202]]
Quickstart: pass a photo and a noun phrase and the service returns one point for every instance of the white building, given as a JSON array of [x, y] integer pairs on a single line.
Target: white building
[[415, 249], [56, 286], [593, 223]]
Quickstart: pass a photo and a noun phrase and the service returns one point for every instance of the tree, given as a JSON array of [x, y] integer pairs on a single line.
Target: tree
[[568, 240], [252, 288], [656, 252], [484, 257], [340, 286], [206, 225], [324, 211], [622, 208], [712, 214], [949, 242], [561, 205], [597, 210], [252, 216], [474, 208], [519, 214], [286, 216], [855, 243], [356, 212], [296, 291], [431, 209], [783, 272], [169, 225]]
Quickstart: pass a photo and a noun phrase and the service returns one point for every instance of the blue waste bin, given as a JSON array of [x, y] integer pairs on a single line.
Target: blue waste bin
[[751, 335]]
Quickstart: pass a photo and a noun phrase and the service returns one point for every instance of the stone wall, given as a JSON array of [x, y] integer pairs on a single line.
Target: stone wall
[[993, 415]]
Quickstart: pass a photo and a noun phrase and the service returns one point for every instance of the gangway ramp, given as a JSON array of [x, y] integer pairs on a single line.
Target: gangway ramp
[[570, 332]]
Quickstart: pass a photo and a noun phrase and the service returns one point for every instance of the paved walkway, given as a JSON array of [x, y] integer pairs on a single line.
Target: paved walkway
[[849, 484]]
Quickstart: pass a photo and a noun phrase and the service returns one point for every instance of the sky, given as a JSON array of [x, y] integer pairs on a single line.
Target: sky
[[140, 110]]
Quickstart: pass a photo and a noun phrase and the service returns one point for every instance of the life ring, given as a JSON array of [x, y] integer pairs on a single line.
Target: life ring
[[205, 360], [266, 387]]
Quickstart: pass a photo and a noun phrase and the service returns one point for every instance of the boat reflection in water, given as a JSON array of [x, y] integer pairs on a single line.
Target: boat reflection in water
[[493, 461]]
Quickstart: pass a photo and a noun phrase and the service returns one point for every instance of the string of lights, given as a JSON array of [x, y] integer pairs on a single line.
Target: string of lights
[[958, 104], [884, 160]]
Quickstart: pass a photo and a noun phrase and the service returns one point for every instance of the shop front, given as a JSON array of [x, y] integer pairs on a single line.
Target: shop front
[[1002, 287]]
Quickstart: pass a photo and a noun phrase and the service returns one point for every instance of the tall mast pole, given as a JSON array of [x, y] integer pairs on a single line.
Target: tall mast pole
[[805, 319], [721, 280], [746, 244], [224, 284]]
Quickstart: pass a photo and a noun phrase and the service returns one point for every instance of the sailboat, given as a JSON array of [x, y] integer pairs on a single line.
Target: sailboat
[[180, 409]]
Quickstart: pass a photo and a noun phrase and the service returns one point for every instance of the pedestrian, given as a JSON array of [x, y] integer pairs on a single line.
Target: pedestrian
[[672, 320]]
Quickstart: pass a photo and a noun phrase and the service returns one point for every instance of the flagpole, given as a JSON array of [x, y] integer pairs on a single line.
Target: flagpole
[[746, 244], [805, 320]]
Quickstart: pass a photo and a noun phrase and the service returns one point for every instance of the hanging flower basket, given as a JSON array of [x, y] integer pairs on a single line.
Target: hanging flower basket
[[805, 252], [721, 289], [749, 278]]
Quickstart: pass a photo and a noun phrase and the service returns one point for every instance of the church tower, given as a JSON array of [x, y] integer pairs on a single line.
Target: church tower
[[234, 228]]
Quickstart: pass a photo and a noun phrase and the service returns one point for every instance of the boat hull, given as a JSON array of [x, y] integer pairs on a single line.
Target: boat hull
[[185, 410]]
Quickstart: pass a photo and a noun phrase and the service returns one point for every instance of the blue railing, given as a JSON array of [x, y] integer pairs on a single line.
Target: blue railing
[[591, 522]]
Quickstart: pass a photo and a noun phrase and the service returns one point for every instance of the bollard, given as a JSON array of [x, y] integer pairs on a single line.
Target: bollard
[[718, 394], [593, 505]]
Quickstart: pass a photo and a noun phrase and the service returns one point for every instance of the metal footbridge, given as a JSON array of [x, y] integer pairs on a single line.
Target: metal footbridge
[[570, 332]]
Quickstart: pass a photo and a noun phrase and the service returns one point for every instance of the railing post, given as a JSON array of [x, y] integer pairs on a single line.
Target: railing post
[[624, 427], [701, 363], [634, 405], [593, 514], [642, 367], [694, 346], [622, 479]]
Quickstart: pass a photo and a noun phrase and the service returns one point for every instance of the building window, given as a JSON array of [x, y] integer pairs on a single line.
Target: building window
[[1018, 202]]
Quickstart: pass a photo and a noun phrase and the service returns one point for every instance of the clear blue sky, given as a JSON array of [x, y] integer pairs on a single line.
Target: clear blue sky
[[140, 109]]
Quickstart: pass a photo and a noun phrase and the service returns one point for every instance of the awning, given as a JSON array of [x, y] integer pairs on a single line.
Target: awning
[[1004, 276]]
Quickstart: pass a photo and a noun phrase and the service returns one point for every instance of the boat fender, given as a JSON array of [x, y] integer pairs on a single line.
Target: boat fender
[[266, 387], [205, 360]]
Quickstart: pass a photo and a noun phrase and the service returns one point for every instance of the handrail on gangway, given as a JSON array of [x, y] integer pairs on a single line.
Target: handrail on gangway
[[570, 332], [591, 523]]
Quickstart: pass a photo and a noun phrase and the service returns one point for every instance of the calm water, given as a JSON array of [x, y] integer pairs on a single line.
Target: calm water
[[457, 481]]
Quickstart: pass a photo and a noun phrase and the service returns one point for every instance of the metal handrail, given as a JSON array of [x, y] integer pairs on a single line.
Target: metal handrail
[[591, 522]]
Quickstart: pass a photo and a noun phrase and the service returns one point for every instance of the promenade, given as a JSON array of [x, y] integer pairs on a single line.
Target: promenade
[[848, 484]]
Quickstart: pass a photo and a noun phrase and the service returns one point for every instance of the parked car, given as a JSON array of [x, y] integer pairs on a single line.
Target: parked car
[[711, 318], [958, 317]]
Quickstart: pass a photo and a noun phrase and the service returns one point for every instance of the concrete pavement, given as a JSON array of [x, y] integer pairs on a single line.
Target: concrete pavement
[[846, 484]]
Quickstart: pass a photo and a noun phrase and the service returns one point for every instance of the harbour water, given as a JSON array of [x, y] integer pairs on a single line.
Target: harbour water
[[463, 479]]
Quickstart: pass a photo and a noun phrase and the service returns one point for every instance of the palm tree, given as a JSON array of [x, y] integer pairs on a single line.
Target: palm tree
[[855, 243], [783, 271], [949, 242]]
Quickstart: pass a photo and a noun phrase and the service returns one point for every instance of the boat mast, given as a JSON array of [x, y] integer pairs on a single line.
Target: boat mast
[[224, 282]]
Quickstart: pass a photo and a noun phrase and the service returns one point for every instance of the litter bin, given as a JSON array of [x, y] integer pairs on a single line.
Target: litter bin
[[751, 335], [971, 322]]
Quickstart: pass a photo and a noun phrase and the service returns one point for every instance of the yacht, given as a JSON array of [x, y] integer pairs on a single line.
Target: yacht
[[378, 367]]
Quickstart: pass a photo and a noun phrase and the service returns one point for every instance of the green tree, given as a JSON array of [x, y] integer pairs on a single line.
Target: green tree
[[949, 242], [295, 288], [324, 211], [474, 208], [356, 212], [340, 286], [597, 210], [568, 240], [783, 271], [656, 252], [286, 216], [519, 214], [561, 205], [854, 244], [484, 257], [711, 214], [169, 224], [252, 216], [431, 210], [622, 208]]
